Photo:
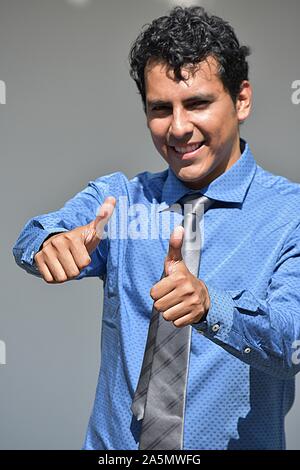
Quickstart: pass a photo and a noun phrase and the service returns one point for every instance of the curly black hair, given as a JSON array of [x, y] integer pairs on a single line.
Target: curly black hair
[[186, 37]]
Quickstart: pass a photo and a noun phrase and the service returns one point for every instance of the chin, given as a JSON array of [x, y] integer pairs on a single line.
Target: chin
[[192, 179], [189, 175]]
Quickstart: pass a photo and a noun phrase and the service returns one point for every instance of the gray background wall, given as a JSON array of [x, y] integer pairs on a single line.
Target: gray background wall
[[72, 114]]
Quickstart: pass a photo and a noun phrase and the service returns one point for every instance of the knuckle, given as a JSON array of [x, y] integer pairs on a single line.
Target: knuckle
[[74, 273], [188, 289], [152, 293], [46, 251], [202, 309], [61, 278], [180, 278], [68, 236], [58, 242], [83, 263], [88, 260], [195, 299]]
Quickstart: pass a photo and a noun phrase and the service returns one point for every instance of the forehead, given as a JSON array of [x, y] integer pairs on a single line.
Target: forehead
[[160, 80]]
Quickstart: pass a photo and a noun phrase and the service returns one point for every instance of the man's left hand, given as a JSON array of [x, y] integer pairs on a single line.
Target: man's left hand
[[180, 296]]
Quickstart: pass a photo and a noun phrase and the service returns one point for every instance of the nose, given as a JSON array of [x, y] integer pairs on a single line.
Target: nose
[[181, 127]]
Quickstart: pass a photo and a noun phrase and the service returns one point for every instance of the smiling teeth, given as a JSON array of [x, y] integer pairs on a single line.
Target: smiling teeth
[[188, 148]]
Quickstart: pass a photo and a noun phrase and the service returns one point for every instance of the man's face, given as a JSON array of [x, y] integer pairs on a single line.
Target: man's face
[[194, 124]]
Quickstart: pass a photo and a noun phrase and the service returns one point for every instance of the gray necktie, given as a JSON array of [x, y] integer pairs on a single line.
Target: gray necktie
[[160, 395]]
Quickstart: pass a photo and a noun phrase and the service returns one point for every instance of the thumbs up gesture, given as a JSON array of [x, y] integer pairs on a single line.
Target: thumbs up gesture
[[65, 254], [180, 296], [92, 233]]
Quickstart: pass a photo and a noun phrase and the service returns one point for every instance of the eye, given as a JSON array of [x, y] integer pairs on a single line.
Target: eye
[[198, 104], [160, 111], [160, 108]]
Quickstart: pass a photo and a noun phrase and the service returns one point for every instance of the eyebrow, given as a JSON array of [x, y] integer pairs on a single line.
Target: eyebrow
[[206, 97]]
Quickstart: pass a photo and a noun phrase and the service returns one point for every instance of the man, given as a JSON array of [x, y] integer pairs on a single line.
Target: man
[[243, 306]]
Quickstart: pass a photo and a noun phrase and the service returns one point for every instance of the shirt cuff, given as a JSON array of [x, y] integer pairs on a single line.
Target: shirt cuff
[[219, 319]]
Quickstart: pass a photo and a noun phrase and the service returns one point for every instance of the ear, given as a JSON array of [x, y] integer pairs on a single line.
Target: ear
[[244, 101]]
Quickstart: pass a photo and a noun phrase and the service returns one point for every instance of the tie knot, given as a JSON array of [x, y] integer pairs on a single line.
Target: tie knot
[[195, 203]]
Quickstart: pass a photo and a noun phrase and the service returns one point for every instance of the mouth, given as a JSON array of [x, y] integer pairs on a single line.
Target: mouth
[[184, 152]]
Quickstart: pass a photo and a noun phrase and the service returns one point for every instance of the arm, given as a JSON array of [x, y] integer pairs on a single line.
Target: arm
[[77, 212]]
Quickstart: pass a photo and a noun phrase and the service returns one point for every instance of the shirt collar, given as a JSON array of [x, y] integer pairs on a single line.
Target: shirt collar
[[230, 186]]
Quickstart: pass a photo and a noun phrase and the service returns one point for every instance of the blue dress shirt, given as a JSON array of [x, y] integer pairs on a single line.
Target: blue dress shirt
[[244, 356]]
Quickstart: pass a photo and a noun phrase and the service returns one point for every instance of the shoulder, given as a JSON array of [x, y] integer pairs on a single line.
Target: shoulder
[[118, 183], [278, 191], [276, 183]]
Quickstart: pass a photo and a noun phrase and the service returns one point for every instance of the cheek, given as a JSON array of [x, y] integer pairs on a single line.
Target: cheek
[[217, 123], [218, 133], [211, 123], [158, 134]]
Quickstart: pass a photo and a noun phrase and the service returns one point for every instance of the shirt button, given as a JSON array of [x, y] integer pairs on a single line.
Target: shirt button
[[215, 327], [247, 350]]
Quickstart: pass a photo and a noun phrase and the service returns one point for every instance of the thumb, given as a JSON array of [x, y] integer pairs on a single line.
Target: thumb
[[93, 232], [174, 254]]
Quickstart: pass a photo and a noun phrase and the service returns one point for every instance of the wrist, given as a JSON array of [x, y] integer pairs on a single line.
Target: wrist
[[205, 303]]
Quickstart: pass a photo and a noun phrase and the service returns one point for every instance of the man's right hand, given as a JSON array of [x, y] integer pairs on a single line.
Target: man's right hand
[[65, 254]]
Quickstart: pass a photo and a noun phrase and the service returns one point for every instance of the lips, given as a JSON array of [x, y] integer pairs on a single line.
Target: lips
[[187, 150]]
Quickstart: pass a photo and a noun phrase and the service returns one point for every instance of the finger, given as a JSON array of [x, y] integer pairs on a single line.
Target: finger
[[80, 254], [68, 264], [167, 301], [175, 245], [177, 311], [104, 214], [44, 271], [186, 320], [55, 269], [161, 288]]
